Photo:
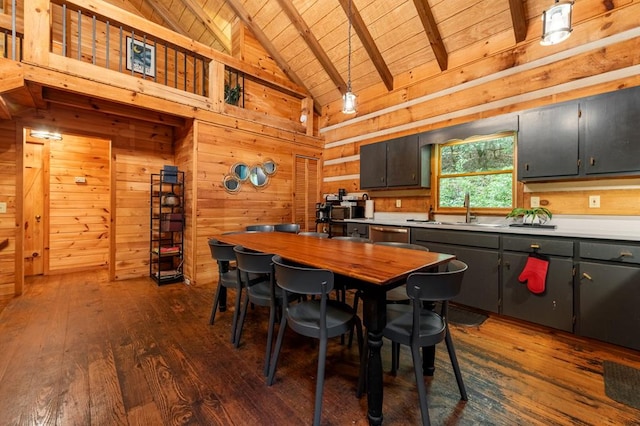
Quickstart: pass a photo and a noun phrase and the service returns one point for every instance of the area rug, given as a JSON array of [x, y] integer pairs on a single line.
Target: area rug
[[621, 383], [461, 316]]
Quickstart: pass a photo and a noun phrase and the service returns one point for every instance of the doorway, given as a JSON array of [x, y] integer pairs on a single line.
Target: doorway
[[66, 203], [306, 192]]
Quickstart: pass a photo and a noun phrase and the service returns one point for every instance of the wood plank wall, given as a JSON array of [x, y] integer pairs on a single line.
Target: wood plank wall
[[79, 213], [544, 84], [137, 150], [217, 211], [8, 173]]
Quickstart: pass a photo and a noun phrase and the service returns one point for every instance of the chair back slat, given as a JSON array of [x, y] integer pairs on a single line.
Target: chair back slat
[[302, 280], [253, 262], [221, 252], [437, 285]]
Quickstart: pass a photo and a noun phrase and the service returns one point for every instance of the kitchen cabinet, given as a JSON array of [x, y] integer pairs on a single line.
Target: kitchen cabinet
[[553, 307], [611, 137], [480, 285], [609, 292], [358, 230], [398, 163], [548, 140], [588, 137]]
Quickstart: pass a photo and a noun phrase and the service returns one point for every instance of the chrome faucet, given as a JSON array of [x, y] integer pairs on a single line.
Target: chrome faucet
[[467, 204]]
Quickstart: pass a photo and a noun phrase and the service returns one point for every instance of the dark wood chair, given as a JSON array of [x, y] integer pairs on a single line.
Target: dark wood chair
[[416, 326], [320, 318], [260, 228], [294, 228], [224, 255]]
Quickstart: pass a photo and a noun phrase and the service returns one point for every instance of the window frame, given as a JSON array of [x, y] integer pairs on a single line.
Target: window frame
[[437, 166]]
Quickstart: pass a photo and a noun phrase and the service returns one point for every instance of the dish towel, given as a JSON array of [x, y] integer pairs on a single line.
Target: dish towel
[[535, 273]]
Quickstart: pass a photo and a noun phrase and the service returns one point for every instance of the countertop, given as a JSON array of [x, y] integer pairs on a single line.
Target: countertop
[[626, 228]]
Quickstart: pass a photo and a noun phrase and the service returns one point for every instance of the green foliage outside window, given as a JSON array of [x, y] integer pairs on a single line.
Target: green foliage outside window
[[483, 167]]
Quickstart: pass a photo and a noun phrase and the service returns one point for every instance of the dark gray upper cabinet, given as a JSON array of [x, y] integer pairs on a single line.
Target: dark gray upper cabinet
[[611, 137], [394, 163], [594, 136], [548, 141], [373, 165]]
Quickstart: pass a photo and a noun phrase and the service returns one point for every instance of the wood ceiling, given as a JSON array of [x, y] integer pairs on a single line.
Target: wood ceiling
[[393, 41]]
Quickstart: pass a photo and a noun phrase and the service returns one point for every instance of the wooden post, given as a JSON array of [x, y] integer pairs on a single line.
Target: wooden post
[[37, 31]]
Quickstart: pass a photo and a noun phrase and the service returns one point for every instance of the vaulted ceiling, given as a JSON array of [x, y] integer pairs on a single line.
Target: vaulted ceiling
[[392, 41]]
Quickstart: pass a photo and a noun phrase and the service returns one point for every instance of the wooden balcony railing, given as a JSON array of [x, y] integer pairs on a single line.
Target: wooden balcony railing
[[78, 37]]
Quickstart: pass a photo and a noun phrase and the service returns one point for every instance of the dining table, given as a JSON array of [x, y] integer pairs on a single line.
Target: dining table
[[370, 268]]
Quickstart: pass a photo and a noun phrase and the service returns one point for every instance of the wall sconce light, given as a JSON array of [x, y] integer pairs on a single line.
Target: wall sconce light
[[44, 134], [556, 23], [303, 115], [349, 99]]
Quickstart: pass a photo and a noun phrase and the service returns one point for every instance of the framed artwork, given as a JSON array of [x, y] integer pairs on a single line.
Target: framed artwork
[[141, 57]]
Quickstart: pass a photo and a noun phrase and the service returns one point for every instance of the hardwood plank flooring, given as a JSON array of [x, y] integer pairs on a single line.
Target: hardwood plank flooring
[[78, 349]]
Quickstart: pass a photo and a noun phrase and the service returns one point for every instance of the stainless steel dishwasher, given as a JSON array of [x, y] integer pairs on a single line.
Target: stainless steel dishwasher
[[400, 234]]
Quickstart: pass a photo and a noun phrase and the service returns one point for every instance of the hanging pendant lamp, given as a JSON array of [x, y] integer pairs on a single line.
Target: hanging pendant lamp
[[349, 98], [556, 23]]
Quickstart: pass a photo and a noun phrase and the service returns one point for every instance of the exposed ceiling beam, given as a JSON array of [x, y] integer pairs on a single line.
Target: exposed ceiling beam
[[314, 45], [92, 104], [5, 114], [518, 19], [430, 27], [166, 16], [369, 44], [203, 16], [247, 19]]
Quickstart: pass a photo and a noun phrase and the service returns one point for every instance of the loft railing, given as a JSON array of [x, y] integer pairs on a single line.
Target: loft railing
[[11, 37], [80, 37], [98, 40]]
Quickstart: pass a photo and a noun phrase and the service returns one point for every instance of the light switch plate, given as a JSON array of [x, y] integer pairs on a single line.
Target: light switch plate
[[594, 201], [535, 202], [3, 207]]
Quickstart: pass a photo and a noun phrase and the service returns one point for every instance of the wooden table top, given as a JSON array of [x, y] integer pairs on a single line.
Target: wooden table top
[[374, 264]]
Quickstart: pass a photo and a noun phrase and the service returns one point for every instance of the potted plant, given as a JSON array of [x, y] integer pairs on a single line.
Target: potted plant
[[532, 216], [232, 94]]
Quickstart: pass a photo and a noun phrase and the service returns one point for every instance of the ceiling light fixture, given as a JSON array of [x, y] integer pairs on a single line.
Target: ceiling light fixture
[[44, 134], [349, 99], [556, 23]]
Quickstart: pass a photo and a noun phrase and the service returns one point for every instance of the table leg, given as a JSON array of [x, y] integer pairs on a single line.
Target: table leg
[[375, 318]]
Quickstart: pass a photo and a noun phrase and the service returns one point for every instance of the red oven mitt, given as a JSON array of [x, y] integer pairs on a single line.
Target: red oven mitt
[[535, 273]]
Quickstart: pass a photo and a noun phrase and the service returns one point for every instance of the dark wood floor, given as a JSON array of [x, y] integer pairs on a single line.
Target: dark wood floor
[[78, 350]]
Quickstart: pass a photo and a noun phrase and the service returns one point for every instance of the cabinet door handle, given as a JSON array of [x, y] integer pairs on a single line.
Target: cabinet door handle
[[626, 254], [592, 161], [587, 276], [535, 246], [526, 166]]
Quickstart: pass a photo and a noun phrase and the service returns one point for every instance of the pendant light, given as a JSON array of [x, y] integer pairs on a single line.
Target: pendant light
[[349, 99], [556, 23]]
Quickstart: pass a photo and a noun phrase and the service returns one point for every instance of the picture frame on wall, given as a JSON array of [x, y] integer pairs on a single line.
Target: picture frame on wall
[[141, 57]]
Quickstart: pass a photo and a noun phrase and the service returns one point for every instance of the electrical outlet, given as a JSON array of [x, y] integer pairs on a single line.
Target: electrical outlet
[[535, 202], [398, 203], [3, 207], [594, 201]]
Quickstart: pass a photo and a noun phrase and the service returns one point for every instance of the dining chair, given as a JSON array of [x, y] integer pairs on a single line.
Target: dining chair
[[314, 234], [260, 228], [293, 228], [320, 318], [255, 273], [416, 326], [354, 239], [224, 255]]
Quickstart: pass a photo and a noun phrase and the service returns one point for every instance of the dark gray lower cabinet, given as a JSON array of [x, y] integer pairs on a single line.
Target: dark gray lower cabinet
[[554, 307], [480, 288], [610, 303]]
